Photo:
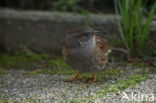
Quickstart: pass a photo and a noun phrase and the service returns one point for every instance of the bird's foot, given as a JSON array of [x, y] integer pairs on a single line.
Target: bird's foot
[[73, 79], [94, 79]]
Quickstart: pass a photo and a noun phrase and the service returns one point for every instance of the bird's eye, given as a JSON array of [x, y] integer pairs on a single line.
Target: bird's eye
[[86, 34]]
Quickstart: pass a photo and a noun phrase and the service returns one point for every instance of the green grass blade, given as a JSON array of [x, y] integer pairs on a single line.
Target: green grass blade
[[118, 21], [147, 23]]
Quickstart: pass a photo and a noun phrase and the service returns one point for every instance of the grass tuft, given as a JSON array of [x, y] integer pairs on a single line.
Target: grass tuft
[[58, 67], [19, 58], [3, 71], [134, 32], [120, 85], [132, 80], [111, 73]]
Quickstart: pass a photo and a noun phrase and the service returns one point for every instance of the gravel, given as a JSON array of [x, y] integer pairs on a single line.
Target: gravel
[[15, 86], [144, 89]]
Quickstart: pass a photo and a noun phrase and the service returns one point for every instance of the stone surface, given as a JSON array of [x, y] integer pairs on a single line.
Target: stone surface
[[44, 31], [15, 87]]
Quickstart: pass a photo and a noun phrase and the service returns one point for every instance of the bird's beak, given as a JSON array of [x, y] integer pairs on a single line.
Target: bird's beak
[[95, 31], [81, 44]]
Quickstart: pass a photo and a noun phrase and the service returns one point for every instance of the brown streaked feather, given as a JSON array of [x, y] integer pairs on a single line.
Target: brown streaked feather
[[74, 31], [66, 50], [79, 30], [101, 51], [102, 44], [90, 58]]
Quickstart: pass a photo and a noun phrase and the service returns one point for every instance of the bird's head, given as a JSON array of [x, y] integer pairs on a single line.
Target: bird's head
[[81, 37]]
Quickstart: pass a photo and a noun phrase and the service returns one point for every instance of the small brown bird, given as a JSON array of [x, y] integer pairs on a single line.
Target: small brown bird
[[85, 51]]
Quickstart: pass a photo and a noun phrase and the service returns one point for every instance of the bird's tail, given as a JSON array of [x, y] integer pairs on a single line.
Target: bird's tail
[[119, 49]]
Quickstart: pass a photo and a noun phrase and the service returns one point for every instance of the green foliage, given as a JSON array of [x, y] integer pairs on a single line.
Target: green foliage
[[153, 70], [65, 5], [19, 58], [3, 71], [141, 64], [60, 66], [45, 70], [111, 73], [134, 32], [85, 13], [120, 85], [132, 80]]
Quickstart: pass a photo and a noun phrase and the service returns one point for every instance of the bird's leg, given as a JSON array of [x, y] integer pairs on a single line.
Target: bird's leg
[[73, 79], [94, 79]]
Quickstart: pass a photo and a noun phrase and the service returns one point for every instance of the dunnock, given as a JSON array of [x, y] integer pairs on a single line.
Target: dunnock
[[85, 51]]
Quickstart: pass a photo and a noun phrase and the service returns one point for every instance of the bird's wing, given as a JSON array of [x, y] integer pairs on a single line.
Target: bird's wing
[[66, 50], [101, 50], [102, 44]]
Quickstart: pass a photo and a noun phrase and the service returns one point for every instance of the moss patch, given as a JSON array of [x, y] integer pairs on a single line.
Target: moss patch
[[114, 87], [3, 71], [153, 70], [123, 84], [58, 66], [141, 64], [19, 60], [111, 73]]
